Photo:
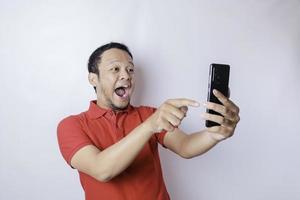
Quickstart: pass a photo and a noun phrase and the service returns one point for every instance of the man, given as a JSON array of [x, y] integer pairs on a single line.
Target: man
[[114, 145]]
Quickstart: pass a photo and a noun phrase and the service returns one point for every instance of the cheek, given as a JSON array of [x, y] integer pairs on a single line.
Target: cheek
[[133, 85], [107, 82], [133, 80], [107, 89]]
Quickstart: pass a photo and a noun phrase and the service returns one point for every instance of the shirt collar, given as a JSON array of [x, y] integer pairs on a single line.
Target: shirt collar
[[96, 111]]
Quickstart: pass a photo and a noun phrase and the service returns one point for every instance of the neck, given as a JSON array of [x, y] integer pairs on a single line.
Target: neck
[[111, 106], [102, 104]]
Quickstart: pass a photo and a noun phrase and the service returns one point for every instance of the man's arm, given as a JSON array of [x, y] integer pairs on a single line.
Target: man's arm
[[188, 146], [106, 164]]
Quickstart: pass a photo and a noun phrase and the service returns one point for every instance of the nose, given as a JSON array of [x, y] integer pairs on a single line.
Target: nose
[[124, 75]]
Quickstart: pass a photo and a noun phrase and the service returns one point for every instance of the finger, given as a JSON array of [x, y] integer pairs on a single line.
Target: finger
[[172, 119], [228, 123], [236, 119], [175, 111], [220, 120], [226, 112], [167, 126], [215, 118], [183, 102], [225, 101]]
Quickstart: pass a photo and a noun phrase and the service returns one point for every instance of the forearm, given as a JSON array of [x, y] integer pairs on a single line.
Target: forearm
[[116, 158], [198, 143]]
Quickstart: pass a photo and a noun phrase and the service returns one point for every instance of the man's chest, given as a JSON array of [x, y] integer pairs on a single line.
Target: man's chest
[[108, 131]]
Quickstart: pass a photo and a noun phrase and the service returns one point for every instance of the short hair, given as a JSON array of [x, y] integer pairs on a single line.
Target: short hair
[[95, 57]]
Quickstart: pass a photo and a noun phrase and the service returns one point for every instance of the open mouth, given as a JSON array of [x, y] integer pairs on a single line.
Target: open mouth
[[122, 91]]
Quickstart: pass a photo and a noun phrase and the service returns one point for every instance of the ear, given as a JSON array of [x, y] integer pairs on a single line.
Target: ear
[[93, 79]]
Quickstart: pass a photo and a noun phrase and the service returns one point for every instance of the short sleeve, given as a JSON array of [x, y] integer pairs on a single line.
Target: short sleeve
[[71, 137]]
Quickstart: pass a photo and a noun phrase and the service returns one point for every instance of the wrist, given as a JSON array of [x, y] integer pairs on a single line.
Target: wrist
[[215, 137], [147, 127]]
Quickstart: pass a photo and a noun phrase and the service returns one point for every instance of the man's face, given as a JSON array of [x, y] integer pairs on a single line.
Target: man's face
[[116, 79]]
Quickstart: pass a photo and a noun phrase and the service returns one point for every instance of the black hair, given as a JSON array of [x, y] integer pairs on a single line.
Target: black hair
[[95, 57]]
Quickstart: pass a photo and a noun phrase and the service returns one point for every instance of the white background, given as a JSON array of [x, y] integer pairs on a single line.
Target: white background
[[44, 48]]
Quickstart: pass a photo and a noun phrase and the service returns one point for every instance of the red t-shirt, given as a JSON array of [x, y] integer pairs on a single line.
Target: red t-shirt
[[102, 127]]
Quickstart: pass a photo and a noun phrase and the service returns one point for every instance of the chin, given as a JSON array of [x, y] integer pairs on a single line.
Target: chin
[[120, 105]]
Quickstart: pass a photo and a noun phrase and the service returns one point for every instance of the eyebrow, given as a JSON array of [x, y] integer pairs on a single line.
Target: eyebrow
[[113, 61]]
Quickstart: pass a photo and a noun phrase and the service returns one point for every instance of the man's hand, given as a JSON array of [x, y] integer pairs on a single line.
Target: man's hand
[[170, 114], [229, 110]]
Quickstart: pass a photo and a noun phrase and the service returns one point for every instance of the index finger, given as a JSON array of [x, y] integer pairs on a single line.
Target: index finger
[[183, 102], [224, 100]]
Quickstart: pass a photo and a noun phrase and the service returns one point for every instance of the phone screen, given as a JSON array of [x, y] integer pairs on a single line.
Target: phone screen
[[218, 79]]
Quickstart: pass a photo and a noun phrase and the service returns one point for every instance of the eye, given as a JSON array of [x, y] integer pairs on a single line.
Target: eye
[[131, 70], [115, 69]]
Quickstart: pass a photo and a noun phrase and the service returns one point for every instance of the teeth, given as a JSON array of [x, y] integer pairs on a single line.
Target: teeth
[[125, 86]]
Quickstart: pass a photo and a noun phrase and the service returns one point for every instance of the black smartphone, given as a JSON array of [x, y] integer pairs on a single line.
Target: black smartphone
[[218, 79]]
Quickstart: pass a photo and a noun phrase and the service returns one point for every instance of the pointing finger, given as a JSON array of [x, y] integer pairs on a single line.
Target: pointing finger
[[183, 102]]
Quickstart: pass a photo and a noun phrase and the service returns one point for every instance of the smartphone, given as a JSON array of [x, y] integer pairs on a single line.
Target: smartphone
[[218, 79]]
